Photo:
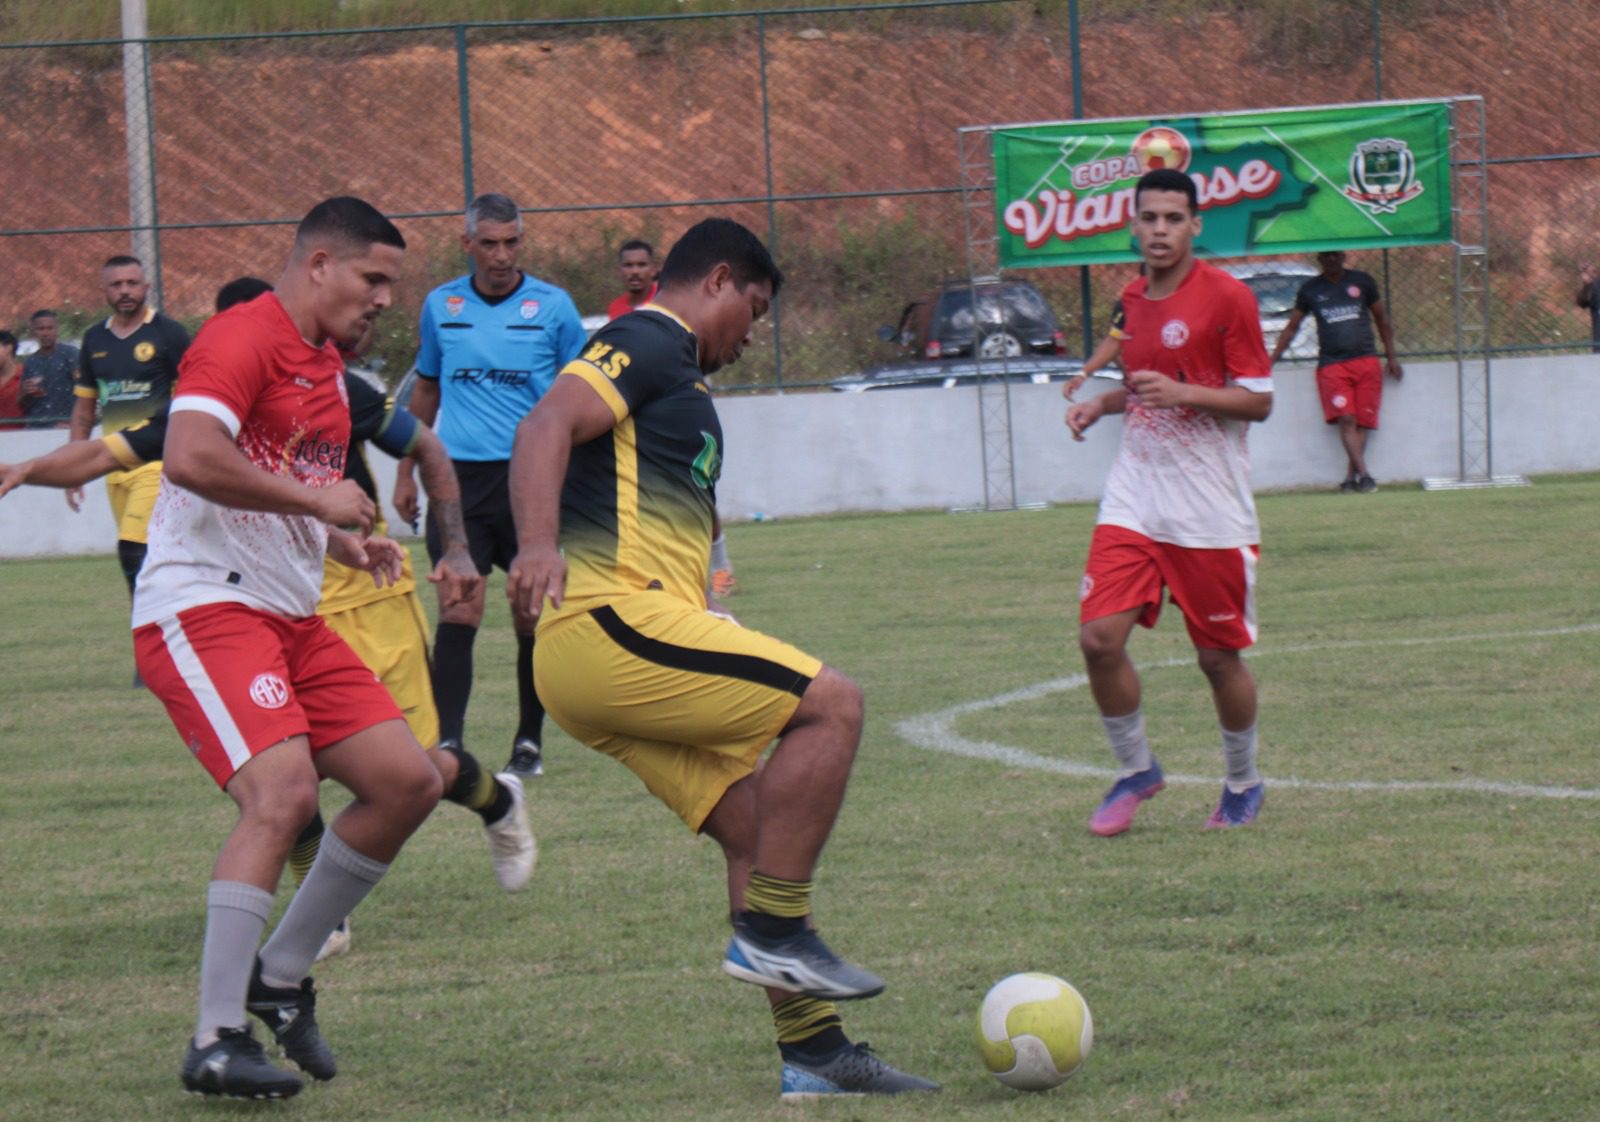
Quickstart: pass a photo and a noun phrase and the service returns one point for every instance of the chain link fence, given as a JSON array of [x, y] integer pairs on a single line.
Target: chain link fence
[[830, 131]]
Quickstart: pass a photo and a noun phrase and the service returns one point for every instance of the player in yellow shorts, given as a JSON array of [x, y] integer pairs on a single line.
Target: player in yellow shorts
[[613, 486]]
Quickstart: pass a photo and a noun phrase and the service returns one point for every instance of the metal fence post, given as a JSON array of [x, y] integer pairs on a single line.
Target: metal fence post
[[464, 98], [136, 108], [772, 207]]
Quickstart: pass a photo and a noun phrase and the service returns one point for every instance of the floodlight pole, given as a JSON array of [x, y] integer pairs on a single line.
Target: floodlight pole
[[136, 113]]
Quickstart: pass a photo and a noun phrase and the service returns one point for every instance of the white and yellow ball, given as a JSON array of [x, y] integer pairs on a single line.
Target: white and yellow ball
[[1034, 1031]]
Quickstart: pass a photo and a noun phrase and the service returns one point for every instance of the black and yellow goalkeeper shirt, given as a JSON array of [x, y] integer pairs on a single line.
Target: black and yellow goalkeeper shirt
[[638, 502]]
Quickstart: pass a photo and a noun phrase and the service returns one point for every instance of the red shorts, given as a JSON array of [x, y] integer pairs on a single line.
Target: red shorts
[[1215, 589], [236, 681], [1351, 389]]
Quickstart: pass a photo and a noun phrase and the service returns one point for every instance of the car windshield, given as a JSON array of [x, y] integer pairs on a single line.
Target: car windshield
[[1023, 308], [1275, 292]]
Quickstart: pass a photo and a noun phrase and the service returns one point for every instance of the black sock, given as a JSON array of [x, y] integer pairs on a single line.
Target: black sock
[[773, 927], [483, 794], [452, 676], [131, 557], [824, 1043], [530, 720]]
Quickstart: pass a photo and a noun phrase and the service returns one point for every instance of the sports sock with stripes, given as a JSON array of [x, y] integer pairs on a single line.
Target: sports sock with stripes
[[776, 907], [808, 1026], [475, 788], [304, 853]]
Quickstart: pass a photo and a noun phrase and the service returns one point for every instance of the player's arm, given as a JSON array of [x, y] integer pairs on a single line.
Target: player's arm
[[201, 457], [572, 412], [455, 571], [1157, 391], [72, 465], [424, 406], [1108, 352], [1286, 336], [1085, 413], [1586, 276], [1380, 317]]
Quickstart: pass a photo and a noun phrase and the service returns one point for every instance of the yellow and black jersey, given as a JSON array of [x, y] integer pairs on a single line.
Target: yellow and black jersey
[[638, 502], [131, 377], [1119, 322]]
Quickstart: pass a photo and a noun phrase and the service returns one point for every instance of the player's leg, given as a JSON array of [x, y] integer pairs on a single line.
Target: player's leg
[[818, 1058], [527, 746], [1354, 440], [1121, 587], [1335, 392], [1216, 590], [1368, 392], [457, 633]]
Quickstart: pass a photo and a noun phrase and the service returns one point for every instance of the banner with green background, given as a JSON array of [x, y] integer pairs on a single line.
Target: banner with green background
[[1284, 181]]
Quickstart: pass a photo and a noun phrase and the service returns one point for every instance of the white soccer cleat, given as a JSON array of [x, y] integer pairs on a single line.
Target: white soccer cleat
[[512, 849], [338, 941]]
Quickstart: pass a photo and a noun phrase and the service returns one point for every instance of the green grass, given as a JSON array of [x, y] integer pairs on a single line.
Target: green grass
[[1359, 954]]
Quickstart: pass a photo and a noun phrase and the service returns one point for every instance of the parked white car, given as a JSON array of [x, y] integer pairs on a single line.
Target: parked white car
[[1275, 284]]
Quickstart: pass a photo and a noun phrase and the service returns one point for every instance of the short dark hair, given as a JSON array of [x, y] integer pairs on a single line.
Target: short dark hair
[[240, 290], [718, 241], [118, 260], [492, 207], [1167, 179], [42, 313], [353, 221], [8, 340], [635, 243]]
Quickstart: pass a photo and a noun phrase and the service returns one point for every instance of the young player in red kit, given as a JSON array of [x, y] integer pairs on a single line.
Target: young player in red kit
[[262, 692], [1177, 514]]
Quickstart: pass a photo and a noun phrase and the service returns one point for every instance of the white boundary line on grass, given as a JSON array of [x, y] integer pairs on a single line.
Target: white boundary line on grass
[[936, 731]]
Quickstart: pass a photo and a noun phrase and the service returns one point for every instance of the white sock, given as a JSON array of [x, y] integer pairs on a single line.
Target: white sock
[[1128, 742], [1239, 753]]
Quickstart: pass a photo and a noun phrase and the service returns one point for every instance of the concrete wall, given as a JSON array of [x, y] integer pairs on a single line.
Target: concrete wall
[[819, 453]]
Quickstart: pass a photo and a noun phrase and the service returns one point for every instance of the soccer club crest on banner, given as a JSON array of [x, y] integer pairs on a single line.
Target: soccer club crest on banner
[[1383, 175]]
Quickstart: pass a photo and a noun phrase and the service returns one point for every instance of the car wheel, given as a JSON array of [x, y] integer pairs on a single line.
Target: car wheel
[[1002, 344]]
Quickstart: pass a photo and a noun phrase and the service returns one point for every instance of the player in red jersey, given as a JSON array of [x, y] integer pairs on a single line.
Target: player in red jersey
[[636, 265], [1178, 514], [263, 693]]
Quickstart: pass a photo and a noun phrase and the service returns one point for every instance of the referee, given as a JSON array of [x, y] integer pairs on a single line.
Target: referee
[[489, 345]]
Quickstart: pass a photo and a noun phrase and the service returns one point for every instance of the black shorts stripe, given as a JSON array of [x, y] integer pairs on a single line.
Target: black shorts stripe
[[748, 668]]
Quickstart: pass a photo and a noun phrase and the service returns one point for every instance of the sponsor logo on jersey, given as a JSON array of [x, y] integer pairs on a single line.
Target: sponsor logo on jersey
[[707, 466], [1383, 175], [477, 376], [269, 692], [1174, 334], [454, 304], [144, 352], [125, 390], [344, 390], [314, 449], [530, 308], [304, 383]]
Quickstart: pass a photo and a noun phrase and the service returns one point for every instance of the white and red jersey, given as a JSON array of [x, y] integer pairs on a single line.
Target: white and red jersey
[[1182, 475], [285, 402]]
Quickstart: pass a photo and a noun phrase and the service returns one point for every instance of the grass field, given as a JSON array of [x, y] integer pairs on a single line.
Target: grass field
[[1408, 933]]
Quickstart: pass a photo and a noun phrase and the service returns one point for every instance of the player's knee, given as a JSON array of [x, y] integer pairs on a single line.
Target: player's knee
[[1100, 644], [1218, 665], [284, 809], [839, 699]]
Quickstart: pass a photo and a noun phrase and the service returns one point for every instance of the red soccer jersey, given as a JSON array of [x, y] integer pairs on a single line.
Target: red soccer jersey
[[285, 402], [1183, 476], [621, 306]]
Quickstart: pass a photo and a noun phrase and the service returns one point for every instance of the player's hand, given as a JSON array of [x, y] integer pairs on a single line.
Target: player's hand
[[537, 573], [12, 476], [405, 497], [1071, 385], [1156, 390], [347, 506], [457, 577], [1082, 415], [75, 498], [380, 556], [1395, 371]]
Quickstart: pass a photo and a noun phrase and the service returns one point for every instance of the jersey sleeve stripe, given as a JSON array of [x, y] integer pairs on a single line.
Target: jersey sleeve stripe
[[86, 391], [195, 403], [1254, 385], [119, 447], [601, 385]]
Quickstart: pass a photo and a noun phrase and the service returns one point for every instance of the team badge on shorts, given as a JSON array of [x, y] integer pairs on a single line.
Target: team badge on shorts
[[530, 308], [1174, 334], [1085, 587], [269, 692], [1339, 401], [454, 304]]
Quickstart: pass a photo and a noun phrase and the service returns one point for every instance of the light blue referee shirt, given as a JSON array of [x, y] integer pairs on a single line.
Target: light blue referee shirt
[[493, 361]]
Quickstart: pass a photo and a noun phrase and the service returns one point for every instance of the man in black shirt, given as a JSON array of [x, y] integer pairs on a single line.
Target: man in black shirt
[[1346, 305]]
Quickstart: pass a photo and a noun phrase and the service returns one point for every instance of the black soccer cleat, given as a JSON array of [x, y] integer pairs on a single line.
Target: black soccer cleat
[[291, 1013], [526, 760], [235, 1066]]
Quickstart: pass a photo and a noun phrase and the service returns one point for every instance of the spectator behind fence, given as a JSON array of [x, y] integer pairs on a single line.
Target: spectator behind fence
[[636, 264], [52, 367], [11, 404], [1589, 299]]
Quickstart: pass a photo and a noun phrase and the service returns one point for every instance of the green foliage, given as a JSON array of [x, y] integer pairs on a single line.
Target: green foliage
[[1405, 954]]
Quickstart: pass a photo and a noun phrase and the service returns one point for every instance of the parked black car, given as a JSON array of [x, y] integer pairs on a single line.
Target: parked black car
[[1013, 319]]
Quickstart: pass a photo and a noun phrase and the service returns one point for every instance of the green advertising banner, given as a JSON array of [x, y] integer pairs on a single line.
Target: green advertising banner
[[1284, 181]]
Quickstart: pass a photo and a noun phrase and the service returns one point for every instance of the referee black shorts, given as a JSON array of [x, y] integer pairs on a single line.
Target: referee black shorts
[[486, 509]]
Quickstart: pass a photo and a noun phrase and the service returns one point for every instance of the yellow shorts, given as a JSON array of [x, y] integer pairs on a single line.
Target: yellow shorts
[[133, 495], [686, 700], [391, 637]]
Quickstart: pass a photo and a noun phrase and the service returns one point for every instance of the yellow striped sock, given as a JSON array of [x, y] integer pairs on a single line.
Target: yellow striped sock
[[302, 856], [800, 1017], [775, 896]]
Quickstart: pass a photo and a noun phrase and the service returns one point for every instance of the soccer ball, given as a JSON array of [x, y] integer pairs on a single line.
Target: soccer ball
[[1034, 1031], [1161, 147]]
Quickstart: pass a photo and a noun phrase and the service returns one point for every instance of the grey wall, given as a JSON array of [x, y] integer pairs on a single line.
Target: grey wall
[[821, 453]]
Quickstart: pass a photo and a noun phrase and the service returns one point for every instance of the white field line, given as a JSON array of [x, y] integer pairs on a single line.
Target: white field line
[[936, 731]]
